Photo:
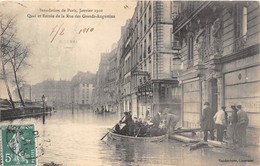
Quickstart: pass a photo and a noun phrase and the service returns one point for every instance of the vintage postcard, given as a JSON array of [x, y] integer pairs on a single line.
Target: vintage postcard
[[139, 83]]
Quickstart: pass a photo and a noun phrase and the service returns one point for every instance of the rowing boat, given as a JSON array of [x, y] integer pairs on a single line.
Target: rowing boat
[[119, 137]]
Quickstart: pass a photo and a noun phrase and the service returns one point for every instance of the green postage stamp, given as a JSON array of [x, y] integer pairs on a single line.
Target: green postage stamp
[[18, 145]]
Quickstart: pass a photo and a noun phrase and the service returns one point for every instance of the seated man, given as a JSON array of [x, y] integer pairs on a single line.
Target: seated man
[[140, 128], [117, 128]]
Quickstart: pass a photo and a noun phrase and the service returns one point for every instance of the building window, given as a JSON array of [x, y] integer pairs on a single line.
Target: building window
[[150, 43], [87, 85], [83, 102], [150, 15], [83, 85], [240, 25], [241, 20], [141, 50], [144, 23], [190, 51], [145, 48], [141, 27], [162, 91]]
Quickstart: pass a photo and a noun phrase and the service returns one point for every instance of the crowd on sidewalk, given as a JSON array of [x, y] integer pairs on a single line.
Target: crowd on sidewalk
[[237, 123]]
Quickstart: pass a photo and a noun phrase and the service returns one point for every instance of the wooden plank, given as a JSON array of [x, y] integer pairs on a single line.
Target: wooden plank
[[181, 138], [187, 130], [198, 145]]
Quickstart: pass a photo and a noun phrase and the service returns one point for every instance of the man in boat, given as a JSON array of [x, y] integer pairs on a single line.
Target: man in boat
[[140, 128], [155, 129], [171, 120], [102, 109], [156, 120], [128, 129]]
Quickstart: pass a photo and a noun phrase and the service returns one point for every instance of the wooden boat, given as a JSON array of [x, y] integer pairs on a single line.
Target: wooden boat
[[119, 137]]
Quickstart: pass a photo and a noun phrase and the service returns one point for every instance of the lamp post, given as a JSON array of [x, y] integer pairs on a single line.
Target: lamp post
[[43, 109], [72, 106]]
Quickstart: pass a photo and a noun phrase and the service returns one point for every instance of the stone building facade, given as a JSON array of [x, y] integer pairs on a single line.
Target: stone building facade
[[220, 57], [82, 87], [149, 60], [105, 93]]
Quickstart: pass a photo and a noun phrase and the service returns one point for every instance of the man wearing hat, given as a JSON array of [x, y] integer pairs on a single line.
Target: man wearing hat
[[207, 123], [233, 124], [242, 123], [128, 129], [220, 121]]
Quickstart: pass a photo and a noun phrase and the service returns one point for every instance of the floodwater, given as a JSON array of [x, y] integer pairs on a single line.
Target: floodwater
[[74, 140]]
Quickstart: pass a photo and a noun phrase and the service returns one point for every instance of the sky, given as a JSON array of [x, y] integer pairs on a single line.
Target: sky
[[60, 47]]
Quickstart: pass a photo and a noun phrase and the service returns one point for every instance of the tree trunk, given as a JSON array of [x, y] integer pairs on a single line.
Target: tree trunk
[[7, 86], [18, 88]]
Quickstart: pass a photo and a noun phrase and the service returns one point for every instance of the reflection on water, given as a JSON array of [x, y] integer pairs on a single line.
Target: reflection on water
[[74, 139]]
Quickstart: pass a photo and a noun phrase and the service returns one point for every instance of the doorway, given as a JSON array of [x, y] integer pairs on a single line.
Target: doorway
[[213, 94]]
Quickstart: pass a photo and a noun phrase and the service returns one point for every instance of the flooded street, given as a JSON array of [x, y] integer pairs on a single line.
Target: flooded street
[[74, 139]]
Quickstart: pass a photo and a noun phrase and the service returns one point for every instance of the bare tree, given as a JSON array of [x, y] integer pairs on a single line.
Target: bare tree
[[17, 58], [6, 34]]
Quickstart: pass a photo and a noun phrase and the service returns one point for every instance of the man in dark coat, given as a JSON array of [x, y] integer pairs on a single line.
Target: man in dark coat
[[233, 119], [242, 123], [207, 122], [128, 129]]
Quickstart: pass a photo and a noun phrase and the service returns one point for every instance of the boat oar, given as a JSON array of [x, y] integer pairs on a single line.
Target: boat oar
[[108, 131], [138, 132]]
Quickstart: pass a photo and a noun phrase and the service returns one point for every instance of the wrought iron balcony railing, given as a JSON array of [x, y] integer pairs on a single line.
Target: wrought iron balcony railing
[[190, 10], [240, 43]]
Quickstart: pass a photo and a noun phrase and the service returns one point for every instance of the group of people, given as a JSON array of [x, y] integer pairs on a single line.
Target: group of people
[[237, 123], [163, 122], [102, 110]]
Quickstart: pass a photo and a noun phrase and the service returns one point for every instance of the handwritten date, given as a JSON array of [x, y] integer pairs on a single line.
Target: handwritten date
[[60, 30]]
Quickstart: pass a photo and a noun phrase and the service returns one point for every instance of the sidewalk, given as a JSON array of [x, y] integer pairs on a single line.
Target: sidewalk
[[252, 150]]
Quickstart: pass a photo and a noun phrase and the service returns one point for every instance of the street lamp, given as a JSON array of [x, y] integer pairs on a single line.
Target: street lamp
[[72, 106], [43, 109]]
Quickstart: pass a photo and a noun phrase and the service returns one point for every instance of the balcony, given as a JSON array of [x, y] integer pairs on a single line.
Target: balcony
[[149, 49], [240, 43], [191, 9], [126, 49], [150, 21]]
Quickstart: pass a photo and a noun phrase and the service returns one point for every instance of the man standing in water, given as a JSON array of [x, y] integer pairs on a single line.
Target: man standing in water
[[242, 124], [233, 124], [207, 123], [171, 120], [220, 121]]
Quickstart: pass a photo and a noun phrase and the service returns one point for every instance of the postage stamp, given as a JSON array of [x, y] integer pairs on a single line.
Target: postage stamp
[[18, 145]]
